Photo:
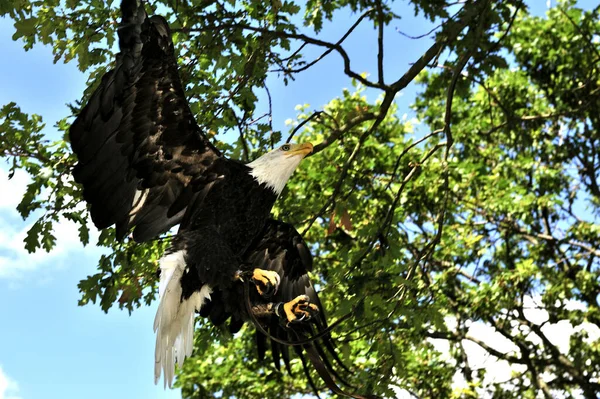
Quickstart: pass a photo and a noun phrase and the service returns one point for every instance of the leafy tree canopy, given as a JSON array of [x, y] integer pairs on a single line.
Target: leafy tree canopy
[[484, 213]]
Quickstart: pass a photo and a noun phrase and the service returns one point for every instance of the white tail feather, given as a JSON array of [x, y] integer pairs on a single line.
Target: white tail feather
[[174, 321]]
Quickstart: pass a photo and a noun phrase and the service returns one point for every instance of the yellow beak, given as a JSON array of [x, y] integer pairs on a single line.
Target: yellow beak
[[300, 149]]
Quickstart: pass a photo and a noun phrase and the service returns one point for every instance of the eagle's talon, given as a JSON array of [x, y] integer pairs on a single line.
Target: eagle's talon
[[266, 281], [299, 310]]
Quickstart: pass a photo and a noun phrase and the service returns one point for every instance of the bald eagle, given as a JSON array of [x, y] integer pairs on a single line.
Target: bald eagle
[[146, 166]]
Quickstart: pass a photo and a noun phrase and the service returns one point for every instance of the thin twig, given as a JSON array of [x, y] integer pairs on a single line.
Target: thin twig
[[385, 106], [408, 148], [428, 33], [337, 133], [451, 31], [386, 222], [419, 36], [505, 33], [587, 35], [246, 151], [329, 50], [338, 186], [270, 112], [296, 36], [380, 43], [294, 53], [304, 122]]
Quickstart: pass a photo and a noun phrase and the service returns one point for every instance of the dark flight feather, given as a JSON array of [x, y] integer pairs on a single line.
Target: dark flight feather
[[282, 249], [137, 133]]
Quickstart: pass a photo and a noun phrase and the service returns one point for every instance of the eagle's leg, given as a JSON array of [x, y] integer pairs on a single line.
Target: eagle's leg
[[297, 310], [266, 281], [264, 310]]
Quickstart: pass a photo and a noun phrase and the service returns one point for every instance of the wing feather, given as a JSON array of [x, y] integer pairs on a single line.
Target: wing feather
[[137, 132], [282, 249]]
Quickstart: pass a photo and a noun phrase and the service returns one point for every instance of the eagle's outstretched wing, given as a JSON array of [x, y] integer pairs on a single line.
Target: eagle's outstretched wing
[[142, 157]]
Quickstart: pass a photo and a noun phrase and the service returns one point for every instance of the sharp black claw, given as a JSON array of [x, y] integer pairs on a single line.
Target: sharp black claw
[[268, 290], [263, 280]]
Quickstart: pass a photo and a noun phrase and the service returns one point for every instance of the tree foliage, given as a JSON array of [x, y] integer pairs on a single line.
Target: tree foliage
[[481, 213]]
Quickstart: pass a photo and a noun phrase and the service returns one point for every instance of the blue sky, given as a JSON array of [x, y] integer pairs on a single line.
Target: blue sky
[[50, 347]]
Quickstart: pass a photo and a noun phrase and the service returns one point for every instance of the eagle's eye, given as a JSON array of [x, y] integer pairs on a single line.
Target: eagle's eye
[[285, 147]]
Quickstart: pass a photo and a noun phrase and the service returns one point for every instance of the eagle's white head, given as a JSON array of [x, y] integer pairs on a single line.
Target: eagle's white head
[[275, 167]]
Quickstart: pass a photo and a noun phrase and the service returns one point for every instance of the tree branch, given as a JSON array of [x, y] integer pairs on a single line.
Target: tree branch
[[448, 34], [336, 134], [296, 36], [385, 106], [380, 26], [328, 51]]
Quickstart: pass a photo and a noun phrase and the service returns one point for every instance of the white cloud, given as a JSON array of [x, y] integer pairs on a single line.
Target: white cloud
[[559, 333], [401, 393], [498, 370], [14, 258], [12, 189], [8, 387], [15, 261]]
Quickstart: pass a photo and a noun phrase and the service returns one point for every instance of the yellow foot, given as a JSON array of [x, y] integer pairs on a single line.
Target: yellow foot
[[266, 281], [300, 309]]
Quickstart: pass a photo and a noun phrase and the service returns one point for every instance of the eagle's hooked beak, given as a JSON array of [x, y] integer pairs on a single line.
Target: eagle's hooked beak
[[300, 149]]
